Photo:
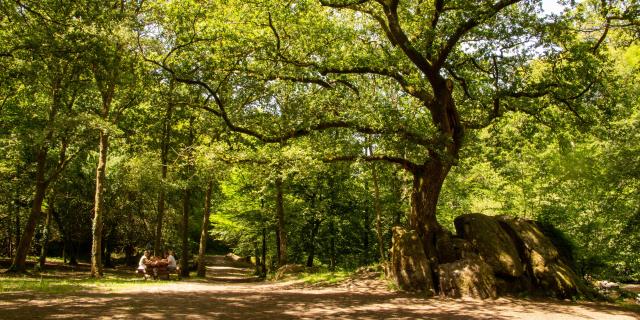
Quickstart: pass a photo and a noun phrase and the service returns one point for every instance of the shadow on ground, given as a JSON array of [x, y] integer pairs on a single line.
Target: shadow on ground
[[230, 292]]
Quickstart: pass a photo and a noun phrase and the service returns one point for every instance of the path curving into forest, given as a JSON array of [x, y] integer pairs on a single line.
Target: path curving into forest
[[231, 292]]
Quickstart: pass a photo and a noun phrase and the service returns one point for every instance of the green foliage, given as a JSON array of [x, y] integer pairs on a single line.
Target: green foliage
[[248, 93]]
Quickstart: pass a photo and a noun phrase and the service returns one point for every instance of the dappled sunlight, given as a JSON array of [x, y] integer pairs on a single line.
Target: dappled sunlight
[[244, 298]]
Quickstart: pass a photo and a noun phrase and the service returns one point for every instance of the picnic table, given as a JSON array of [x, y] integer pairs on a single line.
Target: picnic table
[[157, 269]]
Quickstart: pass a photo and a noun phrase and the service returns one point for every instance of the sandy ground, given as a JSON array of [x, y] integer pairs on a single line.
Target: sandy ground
[[229, 293]]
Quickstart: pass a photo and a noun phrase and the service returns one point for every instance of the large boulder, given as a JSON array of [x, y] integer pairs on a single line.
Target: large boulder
[[491, 241], [469, 277], [409, 264], [548, 272]]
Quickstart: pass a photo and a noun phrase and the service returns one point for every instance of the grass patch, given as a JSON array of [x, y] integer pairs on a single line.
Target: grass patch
[[61, 286], [324, 277]]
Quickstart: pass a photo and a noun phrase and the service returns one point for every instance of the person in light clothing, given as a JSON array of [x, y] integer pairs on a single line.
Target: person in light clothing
[[142, 265], [172, 266]]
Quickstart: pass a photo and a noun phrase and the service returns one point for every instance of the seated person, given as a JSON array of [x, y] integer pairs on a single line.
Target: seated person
[[144, 260], [172, 265]]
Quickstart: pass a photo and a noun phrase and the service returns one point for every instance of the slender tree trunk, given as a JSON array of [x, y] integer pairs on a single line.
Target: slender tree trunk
[[16, 202], [282, 234], [332, 245], [365, 236], [204, 230], [65, 235], [256, 252], [264, 252], [312, 247], [158, 235], [164, 155], [278, 245], [45, 237], [378, 210], [186, 206], [96, 230], [184, 260], [19, 260]]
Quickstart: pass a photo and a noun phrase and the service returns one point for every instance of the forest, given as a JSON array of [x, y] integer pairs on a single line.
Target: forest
[[331, 134]]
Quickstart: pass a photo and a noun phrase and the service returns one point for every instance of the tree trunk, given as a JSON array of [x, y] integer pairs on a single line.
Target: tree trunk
[[45, 237], [256, 251], [16, 202], [96, 230], [277, 245], [332, 245], [282, 234], [312, 247], [158, 235], [264, 252], [365, 236], [164, 157], [184, 260], [186, 205], [429, 177], [19, 260], [204, 230], [378, 210]]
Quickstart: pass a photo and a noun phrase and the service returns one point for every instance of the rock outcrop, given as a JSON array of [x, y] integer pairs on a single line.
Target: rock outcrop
[[469, 277], [488, 256], [548, 273], [492, 242]]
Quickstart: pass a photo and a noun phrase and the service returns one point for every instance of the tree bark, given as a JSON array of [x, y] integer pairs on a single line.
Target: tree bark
[[282, 234], [164, 156], [204, 230], [365, 235], [19, 260], [311, 244], [17, 221], [45, 237], [378, 210], [264, 252], [184, 260], [332, 245], [186, 206], [96, 229]]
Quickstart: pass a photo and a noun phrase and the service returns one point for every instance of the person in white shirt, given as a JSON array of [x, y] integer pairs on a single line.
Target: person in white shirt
[[172, 261], [143, 260]]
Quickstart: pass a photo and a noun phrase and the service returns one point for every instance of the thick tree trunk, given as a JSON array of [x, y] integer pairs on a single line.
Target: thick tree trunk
[[282, 234], [45, 237], [429, 177], [96, 229], [204, 230], [19, 260], [184, 260]]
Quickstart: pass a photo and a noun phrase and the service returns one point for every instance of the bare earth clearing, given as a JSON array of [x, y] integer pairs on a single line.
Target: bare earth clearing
[[230, 293]]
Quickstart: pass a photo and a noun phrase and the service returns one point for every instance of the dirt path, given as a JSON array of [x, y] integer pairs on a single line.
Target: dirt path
[[231, 293]]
